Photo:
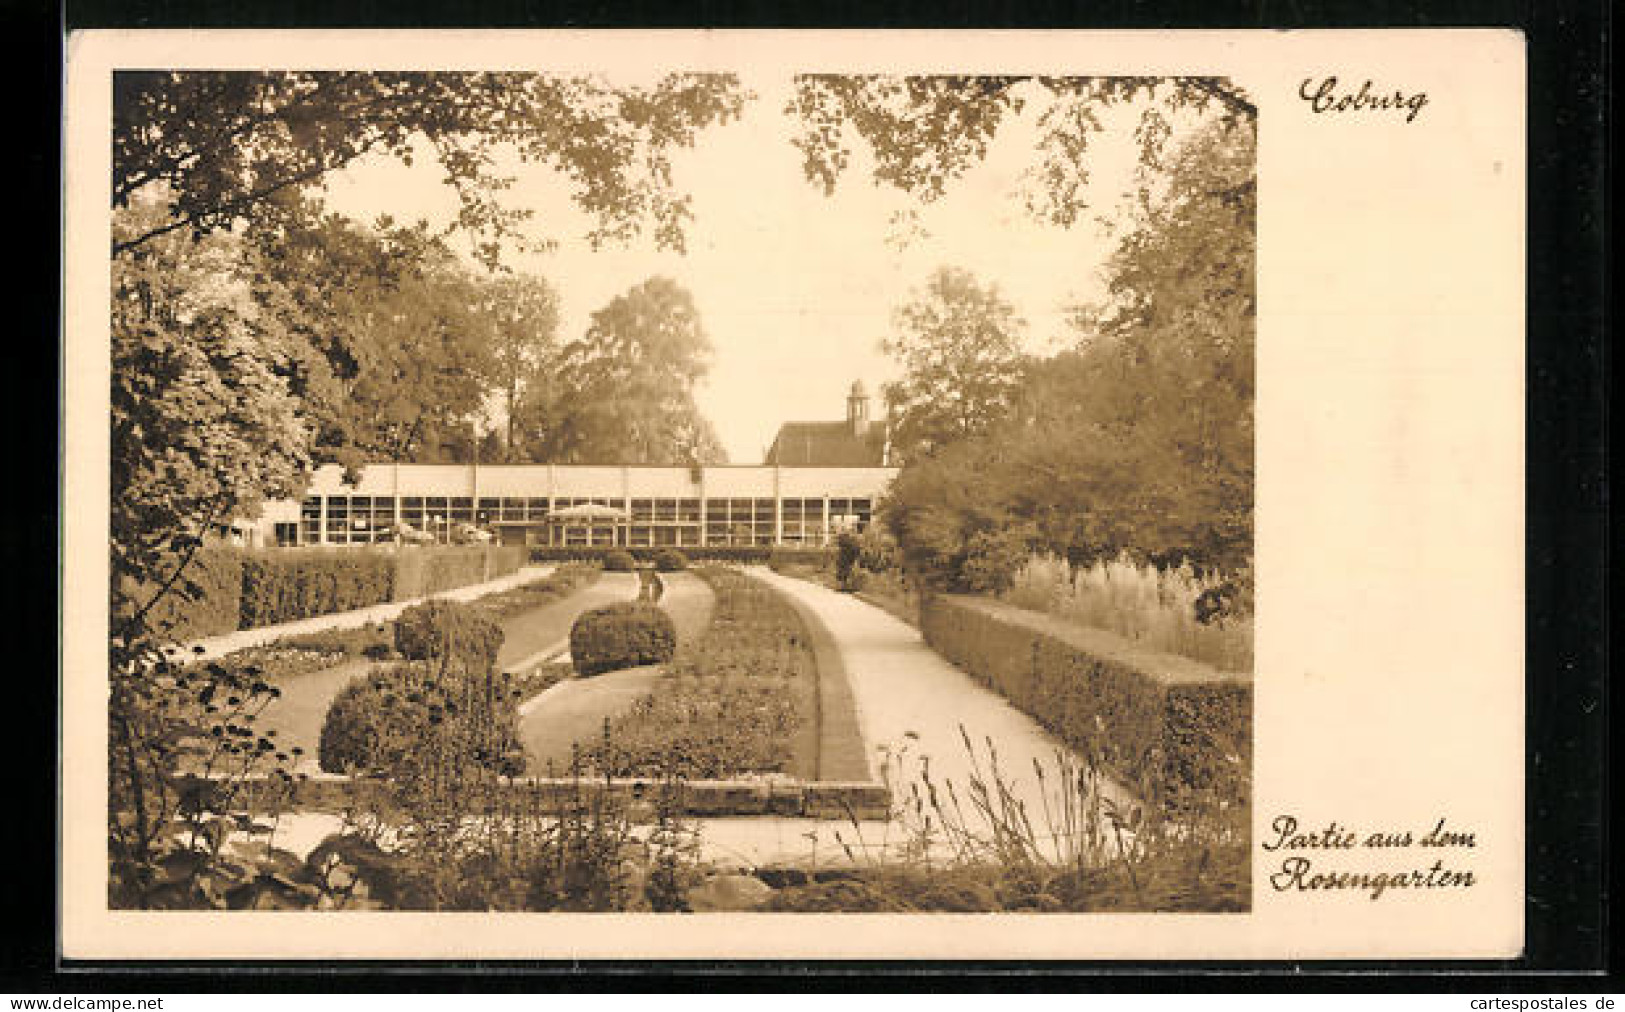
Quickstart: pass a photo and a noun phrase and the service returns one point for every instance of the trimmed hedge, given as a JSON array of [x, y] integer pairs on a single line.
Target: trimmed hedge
[[742, 554], [294, 583], [1164, 725], [420, 571], [453, 635], [621, 635], [205, 601], [224, 589]]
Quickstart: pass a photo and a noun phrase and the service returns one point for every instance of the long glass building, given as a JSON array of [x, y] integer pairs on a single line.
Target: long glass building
[[819, 479], [579, 505]]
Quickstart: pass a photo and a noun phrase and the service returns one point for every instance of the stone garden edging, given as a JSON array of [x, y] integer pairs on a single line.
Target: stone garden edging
[[863, 800]]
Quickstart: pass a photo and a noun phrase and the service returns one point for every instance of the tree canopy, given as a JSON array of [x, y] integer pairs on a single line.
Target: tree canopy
[[626, 387], [925, 131], [218, 145], [1140, 437], [959, 343]]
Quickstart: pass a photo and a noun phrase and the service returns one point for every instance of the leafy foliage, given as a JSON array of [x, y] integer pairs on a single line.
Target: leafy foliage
[[1141, 439], [403, 717], [618, 560], [627, 386], [671, 560], [288, 584], [223, 143], [621, 635], [959, 343], [1172, 731], [203, 426], [455, 637], [925, 131]]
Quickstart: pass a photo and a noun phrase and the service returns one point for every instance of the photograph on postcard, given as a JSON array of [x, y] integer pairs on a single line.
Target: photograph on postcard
[[842, 495], [830, 492]]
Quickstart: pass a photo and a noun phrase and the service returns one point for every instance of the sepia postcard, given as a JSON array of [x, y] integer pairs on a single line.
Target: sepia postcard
[[931, 495]]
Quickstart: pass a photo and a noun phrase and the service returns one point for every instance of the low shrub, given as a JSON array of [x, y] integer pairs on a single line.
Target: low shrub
[[848, 549], [451, 635], [617, 561], [375, 640], [991, 560], [1169, 727], [746, 555], [670, 560], [621, 635], [285, 584]]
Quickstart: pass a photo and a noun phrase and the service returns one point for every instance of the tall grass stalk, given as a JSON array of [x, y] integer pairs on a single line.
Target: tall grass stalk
[[1156, 608]]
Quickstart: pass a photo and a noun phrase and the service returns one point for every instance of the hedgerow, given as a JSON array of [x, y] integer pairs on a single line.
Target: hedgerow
[[671, 560], [618, 560], [1165, 725], [205, 600], [740, 554], [294, 583]]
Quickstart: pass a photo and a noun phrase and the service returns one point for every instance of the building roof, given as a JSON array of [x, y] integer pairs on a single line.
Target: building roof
[[828, 444]]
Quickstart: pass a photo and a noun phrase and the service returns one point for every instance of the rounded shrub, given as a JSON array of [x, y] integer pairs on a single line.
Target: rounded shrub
[[670, 560], [407, 715], [450, 634], [621, 636], [618, 561]]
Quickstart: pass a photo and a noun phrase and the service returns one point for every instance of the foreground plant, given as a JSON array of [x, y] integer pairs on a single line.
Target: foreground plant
[[979, 846]]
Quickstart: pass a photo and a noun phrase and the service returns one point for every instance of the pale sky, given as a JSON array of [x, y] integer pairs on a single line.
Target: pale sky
[[795, 289]]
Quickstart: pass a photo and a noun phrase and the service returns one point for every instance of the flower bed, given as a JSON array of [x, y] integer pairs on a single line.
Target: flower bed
[[738, 700], [561, 583]]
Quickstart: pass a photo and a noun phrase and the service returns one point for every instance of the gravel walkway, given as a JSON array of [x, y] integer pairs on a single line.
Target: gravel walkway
[[912, 705]]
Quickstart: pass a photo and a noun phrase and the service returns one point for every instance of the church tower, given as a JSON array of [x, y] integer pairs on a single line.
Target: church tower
[[857, 408]]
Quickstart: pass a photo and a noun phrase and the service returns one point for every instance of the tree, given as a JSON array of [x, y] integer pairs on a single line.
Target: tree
[[959, 343], [524, 319], [204, 424], [221, 144], [1141, 437], [627, 387], [397, 338]]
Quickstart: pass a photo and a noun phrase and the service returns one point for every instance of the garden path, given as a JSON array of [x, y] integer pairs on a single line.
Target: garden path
[[911, 706], [574, 710], [218, 646], [297, 715], [534, 636]]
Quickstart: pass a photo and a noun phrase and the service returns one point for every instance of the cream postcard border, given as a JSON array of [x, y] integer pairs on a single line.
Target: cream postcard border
[[1389, 688]]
